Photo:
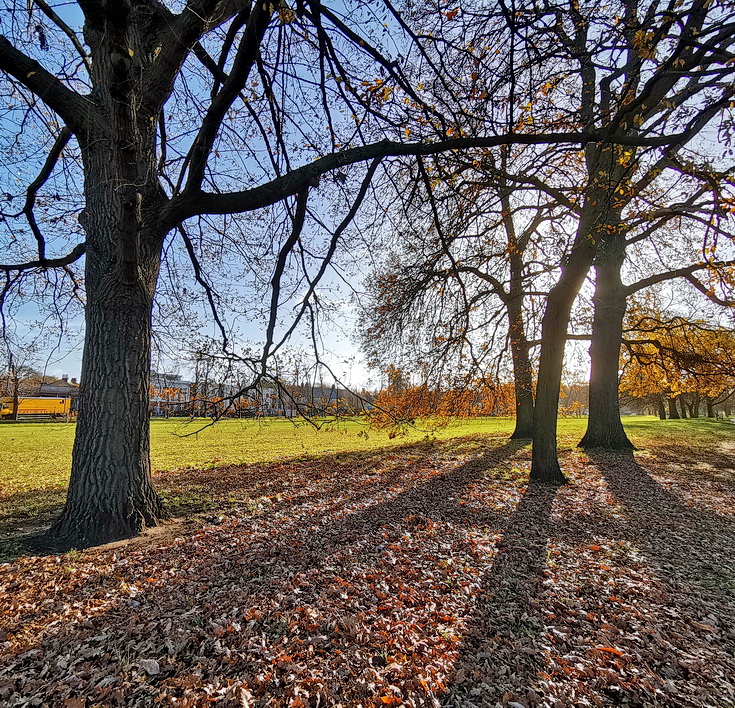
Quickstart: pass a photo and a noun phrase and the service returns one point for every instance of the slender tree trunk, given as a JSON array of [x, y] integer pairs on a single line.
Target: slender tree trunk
[[545, 464], [522, 371], [682, 405], [513, 301], [673, 412], [16, 396], [604, 427]]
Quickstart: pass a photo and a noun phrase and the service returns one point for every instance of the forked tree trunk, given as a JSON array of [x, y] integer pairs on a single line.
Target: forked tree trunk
[[598, 218], [513, 301], [682, 405], [604, 427], [545, 464]]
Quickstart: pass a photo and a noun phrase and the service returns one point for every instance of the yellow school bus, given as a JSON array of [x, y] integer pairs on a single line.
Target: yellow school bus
[[36, 406]]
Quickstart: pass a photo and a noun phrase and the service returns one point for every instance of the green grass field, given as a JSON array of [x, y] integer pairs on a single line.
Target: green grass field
[[35, 458], [38, 455]]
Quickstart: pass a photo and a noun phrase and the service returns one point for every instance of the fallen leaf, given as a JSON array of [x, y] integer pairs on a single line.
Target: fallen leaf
[[150, 666]]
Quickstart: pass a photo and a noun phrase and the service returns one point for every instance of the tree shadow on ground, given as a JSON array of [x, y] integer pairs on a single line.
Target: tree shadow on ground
[[410, 575], [229, 490], [690, 548], [29, 509], [501, 650], [718, 466], [354, 571], [436, 500]]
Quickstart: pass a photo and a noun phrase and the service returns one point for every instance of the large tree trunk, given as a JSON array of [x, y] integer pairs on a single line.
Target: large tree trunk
[[710, 407], [604, 427], [110, 492], [682, 405], [661, 409], [673, 412], [522, 371]]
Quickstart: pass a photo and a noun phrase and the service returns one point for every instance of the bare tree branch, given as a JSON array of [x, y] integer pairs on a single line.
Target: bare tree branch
[[199, 277], [74, 255], [298, 225], [72, 107], [48, 166], [184, 206], [68, 31], [673, 274]]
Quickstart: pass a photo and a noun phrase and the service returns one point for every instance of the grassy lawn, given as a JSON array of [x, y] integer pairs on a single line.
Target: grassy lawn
[[35, 457], [38, 455]]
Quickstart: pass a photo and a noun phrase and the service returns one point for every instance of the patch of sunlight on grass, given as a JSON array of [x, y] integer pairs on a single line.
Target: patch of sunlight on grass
[[35, 457]]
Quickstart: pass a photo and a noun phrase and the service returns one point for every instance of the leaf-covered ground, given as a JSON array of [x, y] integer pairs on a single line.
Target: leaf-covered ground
[[424, 575]]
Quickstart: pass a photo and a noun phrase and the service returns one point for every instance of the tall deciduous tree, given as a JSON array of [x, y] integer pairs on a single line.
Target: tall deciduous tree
[[155, 115], [639, 68], [468, 255], [685, 229]]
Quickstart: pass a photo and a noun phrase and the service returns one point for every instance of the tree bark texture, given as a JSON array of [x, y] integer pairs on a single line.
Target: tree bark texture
[[545, 464], [661, 409], [593, 220], [110, 492], [604, 427]]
